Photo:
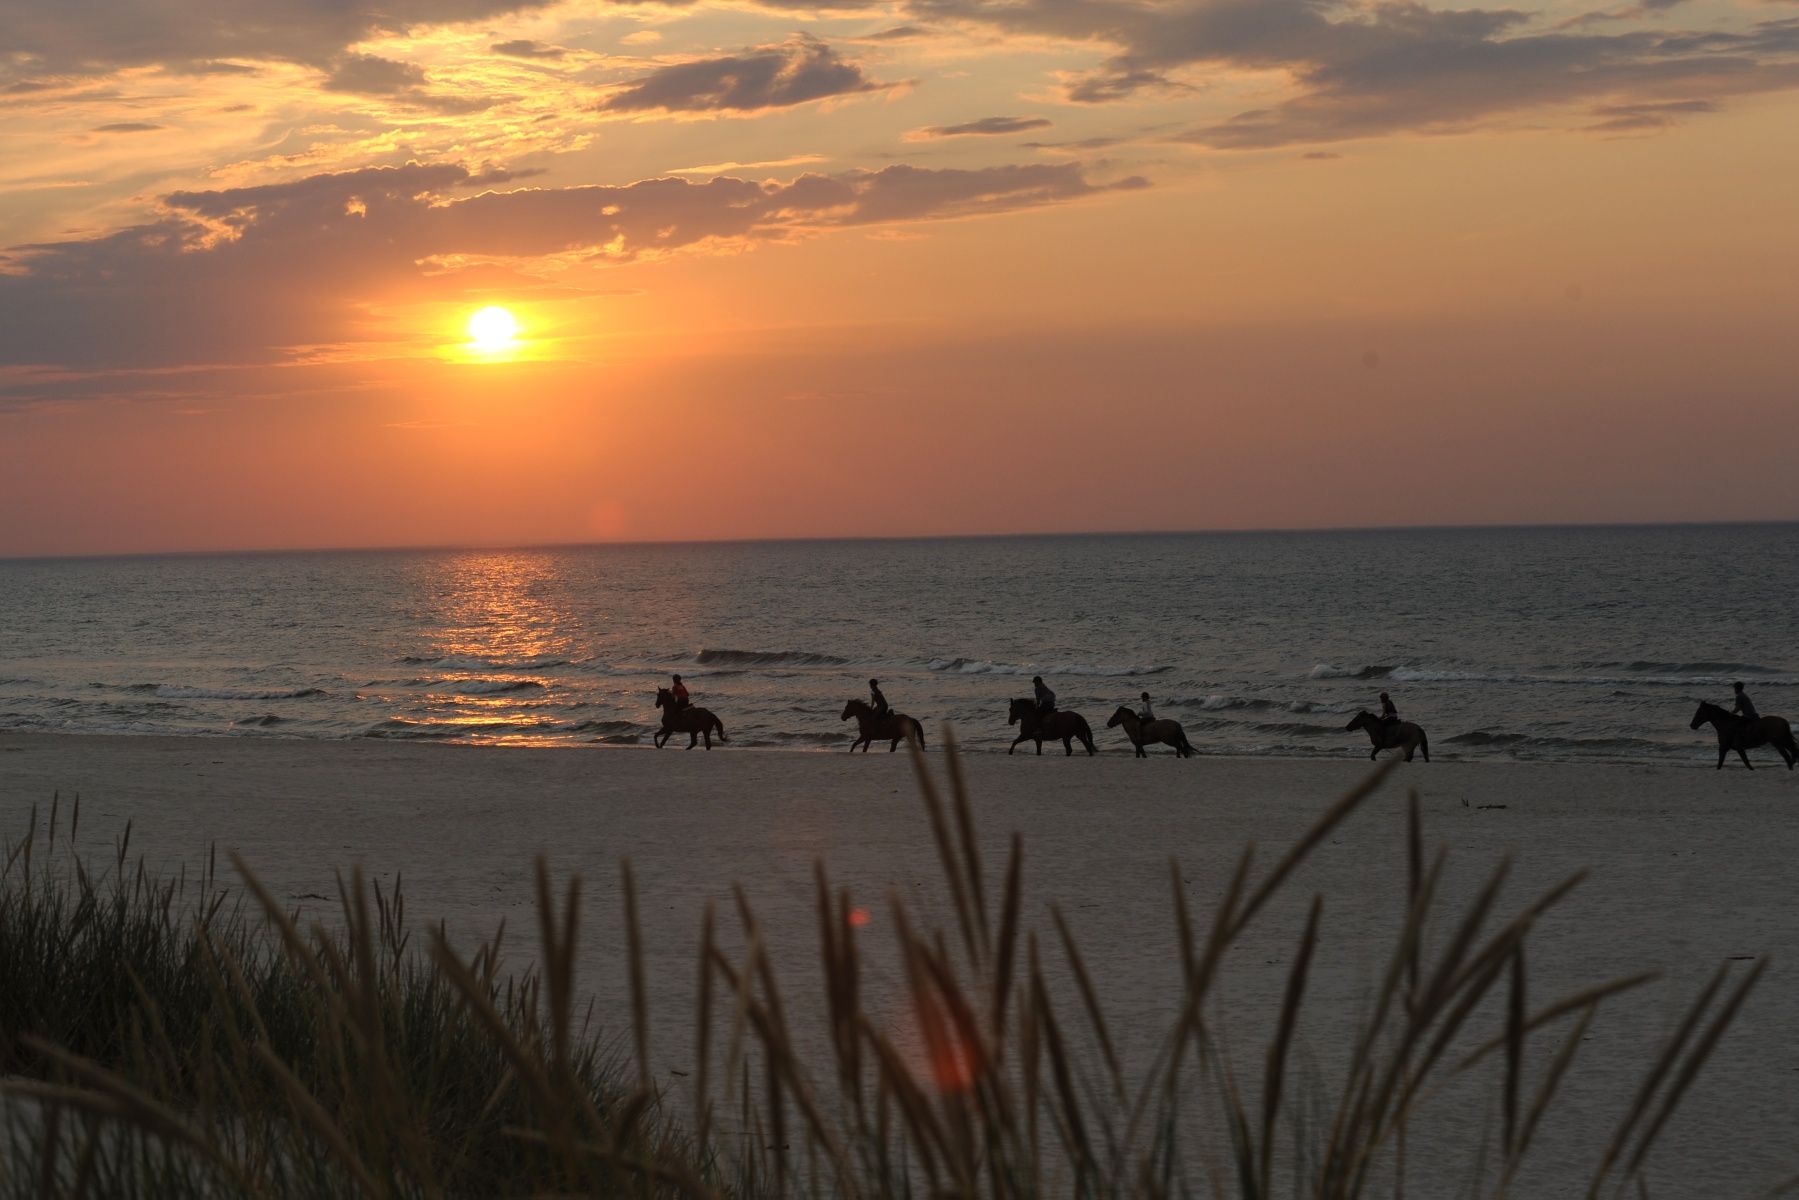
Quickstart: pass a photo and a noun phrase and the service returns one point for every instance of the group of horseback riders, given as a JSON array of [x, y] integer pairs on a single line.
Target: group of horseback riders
[[1740, 729]]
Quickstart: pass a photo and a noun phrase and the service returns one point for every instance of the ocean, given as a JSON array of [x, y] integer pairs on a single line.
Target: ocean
[[1528, 643]]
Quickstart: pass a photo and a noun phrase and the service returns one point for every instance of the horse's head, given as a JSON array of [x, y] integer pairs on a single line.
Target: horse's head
[[663, 697], [1121, 716], [1361, 720], [852, 709], [1707, 711], [1019, 709]]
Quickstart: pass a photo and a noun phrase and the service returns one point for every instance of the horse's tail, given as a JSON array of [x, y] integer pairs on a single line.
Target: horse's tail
[[1424, 743], [720, 726], [918, 731], [1083, 731]]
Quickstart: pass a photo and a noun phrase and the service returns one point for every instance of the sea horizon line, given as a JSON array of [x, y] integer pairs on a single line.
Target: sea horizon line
[[803, 539]]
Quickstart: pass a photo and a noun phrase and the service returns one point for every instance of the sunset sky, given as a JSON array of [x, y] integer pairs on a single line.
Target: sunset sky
[[934, 266]]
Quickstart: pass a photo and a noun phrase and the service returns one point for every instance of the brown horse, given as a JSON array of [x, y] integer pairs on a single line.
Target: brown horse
[[1393, 735], [694, 722], [1162, 732], [890, 728], [1065, 726], [1740, 734]]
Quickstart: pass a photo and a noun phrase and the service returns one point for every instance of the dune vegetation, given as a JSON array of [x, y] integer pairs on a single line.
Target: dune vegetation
[[175, 1035]]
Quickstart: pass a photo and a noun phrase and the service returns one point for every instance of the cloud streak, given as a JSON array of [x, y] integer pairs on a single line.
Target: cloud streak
[[800, 72], [248, 274], [985, 127]]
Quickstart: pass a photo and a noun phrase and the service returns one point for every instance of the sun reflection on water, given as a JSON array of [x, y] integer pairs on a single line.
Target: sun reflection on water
[[493, 628]]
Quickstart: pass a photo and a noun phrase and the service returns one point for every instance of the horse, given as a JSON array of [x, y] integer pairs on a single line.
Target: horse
[[1740, 734], [890, 728], [1063, 725], [1163, 732], [694, 722], [1395, 735]]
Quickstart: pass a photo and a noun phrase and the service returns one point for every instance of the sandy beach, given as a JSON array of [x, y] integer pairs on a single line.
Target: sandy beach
[[1689, 867]]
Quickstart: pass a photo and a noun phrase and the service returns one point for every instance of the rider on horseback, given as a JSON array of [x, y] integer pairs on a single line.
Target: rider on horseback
[[1745, 707], [1046, 699], [1389, 715], [875, 699], [1144, 711], [679, 692]]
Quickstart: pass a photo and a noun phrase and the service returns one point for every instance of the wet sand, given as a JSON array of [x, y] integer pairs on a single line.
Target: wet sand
[[1689, 867]]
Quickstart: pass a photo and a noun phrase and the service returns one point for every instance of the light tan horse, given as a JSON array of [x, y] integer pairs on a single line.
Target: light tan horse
[[1396, 735], [1163, 732], [694, 722], [1061, 726], [891, 728]]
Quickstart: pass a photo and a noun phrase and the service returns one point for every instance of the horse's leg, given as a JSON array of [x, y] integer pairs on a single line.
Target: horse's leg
[[707, 734], [1068, 746], [1039, 747], [1014, 744], [693, 739], [1723, 752], [1744, 755]]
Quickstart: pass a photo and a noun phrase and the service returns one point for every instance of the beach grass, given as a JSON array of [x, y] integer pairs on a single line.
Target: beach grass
[[176, 1036]]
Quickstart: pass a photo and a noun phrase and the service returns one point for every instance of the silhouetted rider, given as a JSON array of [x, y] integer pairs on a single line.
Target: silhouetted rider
[[1144, 711], [1389, 715], [876, 699], [679, 692], [1745, 707], [1046, 699]]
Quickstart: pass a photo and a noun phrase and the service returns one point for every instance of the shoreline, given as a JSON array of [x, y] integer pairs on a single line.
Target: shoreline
[[1703, 758]]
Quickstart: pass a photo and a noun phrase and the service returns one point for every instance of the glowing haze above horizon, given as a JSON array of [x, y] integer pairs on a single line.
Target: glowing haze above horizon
[[487, 271]]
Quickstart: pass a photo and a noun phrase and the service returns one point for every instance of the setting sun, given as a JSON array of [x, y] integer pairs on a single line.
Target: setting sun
[[493, 329]]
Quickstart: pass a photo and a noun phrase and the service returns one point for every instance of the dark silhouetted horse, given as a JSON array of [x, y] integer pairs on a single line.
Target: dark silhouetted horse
[[1391, 735], [1741, 734], [891, 728], [1058, 726], [694, 722], [1163, 732]]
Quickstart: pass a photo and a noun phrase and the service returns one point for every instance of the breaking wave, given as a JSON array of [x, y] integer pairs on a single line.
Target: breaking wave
[[970, 666], [489, 687], [169, 691], [767, 658], [1330, 671]]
